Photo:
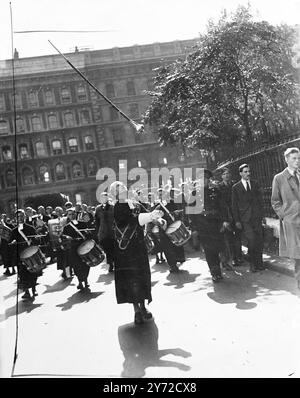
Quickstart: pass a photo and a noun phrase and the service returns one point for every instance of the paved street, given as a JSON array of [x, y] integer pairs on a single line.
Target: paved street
[[246, 326]]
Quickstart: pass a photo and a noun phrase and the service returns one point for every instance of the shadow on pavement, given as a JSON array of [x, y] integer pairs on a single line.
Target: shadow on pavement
[[58, 286], [162, 268], [179, 279], [240, 289], [107, 279], [11, 294], [78, 298], [139, 345], [24, 306]]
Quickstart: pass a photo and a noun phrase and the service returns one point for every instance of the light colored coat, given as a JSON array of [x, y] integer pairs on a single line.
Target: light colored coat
[[285, 201]]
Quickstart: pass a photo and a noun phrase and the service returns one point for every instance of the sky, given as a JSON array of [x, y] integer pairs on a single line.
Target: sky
[[126, 22]]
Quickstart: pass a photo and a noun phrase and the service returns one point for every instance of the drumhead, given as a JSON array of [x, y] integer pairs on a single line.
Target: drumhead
[[174, 226], [86, 246], [29, 251]]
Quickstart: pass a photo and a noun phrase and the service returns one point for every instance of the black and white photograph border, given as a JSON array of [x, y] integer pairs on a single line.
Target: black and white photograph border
[[150, 191]]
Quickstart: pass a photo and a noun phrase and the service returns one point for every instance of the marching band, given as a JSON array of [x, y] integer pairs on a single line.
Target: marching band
[[125, 232]]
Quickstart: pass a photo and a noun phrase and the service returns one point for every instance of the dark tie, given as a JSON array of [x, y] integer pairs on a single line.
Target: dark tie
[[296, 179], [248, 186]]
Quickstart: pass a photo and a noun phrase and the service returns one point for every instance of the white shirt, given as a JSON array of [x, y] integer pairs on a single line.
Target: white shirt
[[244, 182]]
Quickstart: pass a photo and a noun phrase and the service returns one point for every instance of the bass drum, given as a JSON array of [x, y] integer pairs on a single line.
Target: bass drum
[[91, 253], [178, 233], [33, 259]]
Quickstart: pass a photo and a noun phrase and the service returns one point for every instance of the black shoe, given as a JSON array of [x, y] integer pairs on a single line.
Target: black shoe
[[147, 314], [215, 279], [174, 269], [138, 318], [26, 296], [80, 286]]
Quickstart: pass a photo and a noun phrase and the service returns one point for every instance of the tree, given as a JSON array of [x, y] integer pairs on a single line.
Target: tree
[[235, 85]]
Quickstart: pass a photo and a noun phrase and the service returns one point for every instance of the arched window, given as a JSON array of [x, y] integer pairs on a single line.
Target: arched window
[[40, 148], [10, 178], [44, 174], [24, 154], [89, 144], [49, 97], [114, 115], [69, 119], [53, 122], [20, 125], [4, 127], [18, 101], [65, 95], [6, 152], [110, 91], [81, 93], [73, 144], [92, 167], [60, 173], [85, 117], [36, 123], [27, 175], [56, 147], [2, 102], [76, 170], [33, 98]]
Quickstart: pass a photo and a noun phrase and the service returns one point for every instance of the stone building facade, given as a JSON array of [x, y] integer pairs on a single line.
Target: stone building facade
[[66, 132]]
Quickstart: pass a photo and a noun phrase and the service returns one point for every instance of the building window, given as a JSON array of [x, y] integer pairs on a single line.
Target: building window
[[92, 167], [56, 147], [134, 111], [18, 100], [24, 154], [10, 178], [36, 123], [20, 125], [81, 93], [65, 95], [130, 88], [28, 178], [6, 153], [110, 91], [73, 144], [53, 122], [89, 144], [49, 97], [3, 127], [69, 119], [44, 175], [85, 117], [40, 149], [113, 114], [117, 134], [76, 170], [33, 99], [60, 173], [2, 103]]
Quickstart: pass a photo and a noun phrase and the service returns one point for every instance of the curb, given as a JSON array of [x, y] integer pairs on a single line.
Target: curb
[[279, 268]]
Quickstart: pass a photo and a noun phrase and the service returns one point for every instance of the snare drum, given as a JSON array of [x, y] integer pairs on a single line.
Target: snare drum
[[149, 243], [33, 259], [5, 232], [90, 253], [178, 233]]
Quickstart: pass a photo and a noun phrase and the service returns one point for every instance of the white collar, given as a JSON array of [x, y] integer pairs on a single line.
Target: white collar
[[20, 226], [244, 182], [292, 172]]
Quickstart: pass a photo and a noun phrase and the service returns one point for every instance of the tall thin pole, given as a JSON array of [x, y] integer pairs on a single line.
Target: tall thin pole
[[16, 182]]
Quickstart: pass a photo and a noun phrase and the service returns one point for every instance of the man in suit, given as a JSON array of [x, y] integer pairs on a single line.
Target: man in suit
[[285, 201], [247, 208]]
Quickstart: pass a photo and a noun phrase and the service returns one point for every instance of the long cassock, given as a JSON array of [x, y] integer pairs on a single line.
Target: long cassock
[[132, 269], [73, 259], [27, 279]]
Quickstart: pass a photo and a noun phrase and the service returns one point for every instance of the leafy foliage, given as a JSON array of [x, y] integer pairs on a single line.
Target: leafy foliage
[[236, 84]]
